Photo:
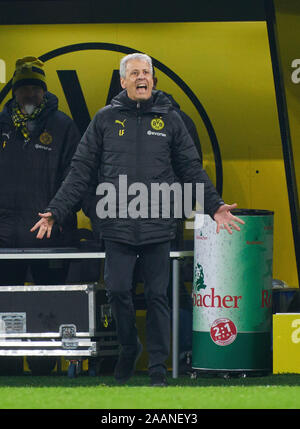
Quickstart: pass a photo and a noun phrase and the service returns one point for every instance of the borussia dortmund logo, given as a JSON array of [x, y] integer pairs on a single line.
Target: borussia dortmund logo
[[45, 138], [157, 124], [199, 278]]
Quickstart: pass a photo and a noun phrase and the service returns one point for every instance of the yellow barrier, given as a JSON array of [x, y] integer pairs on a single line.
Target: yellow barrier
[[286, 343]]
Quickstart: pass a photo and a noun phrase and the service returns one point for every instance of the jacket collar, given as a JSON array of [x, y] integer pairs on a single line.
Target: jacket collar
[[157, 103], [51, 106]]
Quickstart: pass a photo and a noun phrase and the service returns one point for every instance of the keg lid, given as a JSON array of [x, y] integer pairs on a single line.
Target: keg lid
[[251, 212]]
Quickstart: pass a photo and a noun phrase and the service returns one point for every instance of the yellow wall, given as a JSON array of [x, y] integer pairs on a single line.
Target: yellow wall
[[288, 32], [287, 14], [226, 64]]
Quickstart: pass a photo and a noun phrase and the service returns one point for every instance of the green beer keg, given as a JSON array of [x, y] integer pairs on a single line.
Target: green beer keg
[[232, 295]]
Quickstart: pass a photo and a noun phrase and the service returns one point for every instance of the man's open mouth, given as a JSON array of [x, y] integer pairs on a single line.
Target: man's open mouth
[[141, 87]]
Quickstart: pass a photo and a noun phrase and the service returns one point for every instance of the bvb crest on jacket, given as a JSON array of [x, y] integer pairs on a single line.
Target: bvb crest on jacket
[[157, 124], [45, 138]]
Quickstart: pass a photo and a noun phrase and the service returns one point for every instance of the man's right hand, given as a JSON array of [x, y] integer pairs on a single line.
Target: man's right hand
[[44, 225]]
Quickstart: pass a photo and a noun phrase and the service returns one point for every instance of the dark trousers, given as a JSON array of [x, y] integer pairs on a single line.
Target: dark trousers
[[118, 276]]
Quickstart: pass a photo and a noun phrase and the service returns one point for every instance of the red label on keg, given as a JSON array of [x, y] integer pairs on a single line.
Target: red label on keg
[[223, 332]]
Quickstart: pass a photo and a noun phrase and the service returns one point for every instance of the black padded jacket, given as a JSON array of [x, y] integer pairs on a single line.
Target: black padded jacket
[[147, 143]]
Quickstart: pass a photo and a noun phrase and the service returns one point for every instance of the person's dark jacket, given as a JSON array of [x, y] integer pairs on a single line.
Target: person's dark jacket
[[178, 242], [189, 123], [123, 140], [31, 173]]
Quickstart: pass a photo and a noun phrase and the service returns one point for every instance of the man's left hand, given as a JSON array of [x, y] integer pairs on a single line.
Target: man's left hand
[[226, 220]]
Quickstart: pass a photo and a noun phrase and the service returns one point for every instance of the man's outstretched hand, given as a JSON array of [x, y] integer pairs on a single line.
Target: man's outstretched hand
[[44, 225], [226, 220]]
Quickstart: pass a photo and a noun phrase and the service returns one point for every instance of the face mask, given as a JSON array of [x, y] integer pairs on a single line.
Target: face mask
[[29, 108]]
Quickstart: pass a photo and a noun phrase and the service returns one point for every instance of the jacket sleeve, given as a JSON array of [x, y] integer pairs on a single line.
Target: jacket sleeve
[[89, 200], [70, 143], [72, 138], [84, 164], [188, 167], [192, 130]]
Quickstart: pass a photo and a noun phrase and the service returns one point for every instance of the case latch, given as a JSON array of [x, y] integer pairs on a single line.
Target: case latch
[[68, 336]]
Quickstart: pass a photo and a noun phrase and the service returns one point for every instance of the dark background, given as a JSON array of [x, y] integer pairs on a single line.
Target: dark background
[[94, 11]]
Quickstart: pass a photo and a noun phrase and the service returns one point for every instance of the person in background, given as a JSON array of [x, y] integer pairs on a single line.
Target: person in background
[[37, 142]]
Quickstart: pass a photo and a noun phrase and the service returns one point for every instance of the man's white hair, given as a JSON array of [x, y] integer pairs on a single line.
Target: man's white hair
[[135, 56]]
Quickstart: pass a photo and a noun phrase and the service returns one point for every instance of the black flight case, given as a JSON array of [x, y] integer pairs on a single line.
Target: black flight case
[[70, 321]]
